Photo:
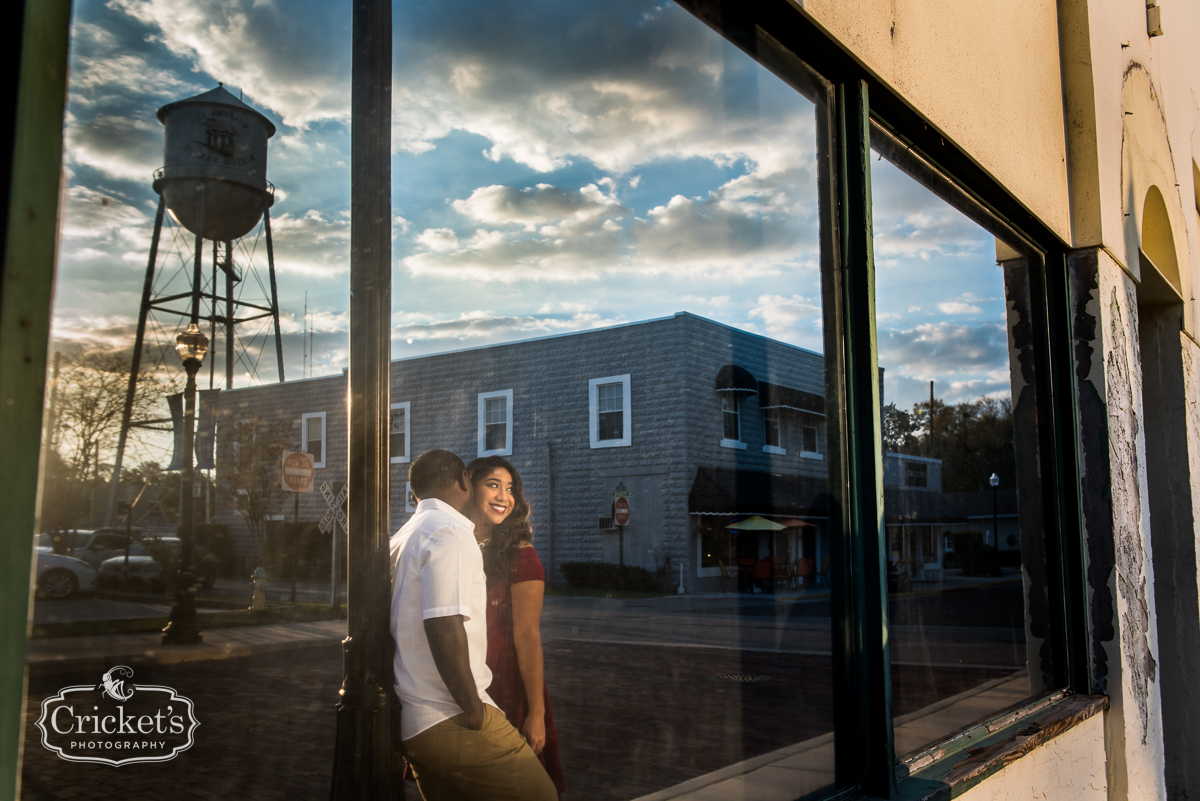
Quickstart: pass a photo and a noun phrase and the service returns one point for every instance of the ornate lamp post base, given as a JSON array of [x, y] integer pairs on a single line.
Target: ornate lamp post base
[[182, 629]]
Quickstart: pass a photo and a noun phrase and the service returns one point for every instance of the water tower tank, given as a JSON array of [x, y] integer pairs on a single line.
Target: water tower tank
[[215, 147]]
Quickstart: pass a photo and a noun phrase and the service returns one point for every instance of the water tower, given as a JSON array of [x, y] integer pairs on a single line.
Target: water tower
[[213, 183]]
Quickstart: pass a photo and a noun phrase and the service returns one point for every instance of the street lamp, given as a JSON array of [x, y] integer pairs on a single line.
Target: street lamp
[[191, 346], [995, 482]]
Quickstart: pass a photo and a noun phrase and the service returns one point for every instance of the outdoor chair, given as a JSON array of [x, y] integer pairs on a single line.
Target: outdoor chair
[[805, 568], [781, 572], [726, 577], [762, 574], [746, 574], [823, 575]]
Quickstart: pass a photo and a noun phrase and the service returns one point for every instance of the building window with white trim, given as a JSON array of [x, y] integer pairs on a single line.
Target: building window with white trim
[[808, 442], [400, 428], [774, 436], [495, 423], [608, 412], [312, 437], [731, 422]]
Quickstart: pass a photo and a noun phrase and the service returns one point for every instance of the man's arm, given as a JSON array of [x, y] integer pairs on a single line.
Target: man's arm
[[448, 643]]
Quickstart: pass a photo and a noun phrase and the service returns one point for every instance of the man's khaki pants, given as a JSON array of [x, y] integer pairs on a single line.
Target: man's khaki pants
[[454, 763]]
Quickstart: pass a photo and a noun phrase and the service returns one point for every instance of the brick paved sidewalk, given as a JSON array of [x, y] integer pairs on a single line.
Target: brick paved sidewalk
[[73, 654]]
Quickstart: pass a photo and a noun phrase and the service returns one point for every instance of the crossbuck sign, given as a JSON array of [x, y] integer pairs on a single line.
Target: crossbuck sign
[[334, 513]]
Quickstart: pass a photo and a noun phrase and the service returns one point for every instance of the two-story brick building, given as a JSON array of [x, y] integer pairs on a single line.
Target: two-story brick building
[[701, 422]]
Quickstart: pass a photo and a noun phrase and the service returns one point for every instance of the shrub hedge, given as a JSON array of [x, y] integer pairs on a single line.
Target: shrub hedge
[[608, 576]]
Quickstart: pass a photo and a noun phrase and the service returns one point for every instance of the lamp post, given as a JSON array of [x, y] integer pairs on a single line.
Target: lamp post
[[191, 346], [995, 482]]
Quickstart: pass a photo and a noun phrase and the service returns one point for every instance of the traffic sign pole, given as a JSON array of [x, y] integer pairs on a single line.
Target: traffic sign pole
[[621, 518], [295, 541]]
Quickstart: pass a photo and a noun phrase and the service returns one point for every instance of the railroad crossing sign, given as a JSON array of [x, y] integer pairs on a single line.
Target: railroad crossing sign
[[297, 472], [621, 511], [335, 512], [621, 492]]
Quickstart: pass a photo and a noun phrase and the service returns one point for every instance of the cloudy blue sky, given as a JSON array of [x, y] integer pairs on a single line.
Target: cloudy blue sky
[[556, 167]]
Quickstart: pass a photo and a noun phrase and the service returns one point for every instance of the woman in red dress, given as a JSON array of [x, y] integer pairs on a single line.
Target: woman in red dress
[[516, 583]]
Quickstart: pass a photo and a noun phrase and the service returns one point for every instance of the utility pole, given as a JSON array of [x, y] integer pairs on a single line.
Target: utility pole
[[930, 453]]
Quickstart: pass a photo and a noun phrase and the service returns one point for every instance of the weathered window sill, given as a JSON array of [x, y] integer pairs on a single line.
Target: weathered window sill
[[953, 767]]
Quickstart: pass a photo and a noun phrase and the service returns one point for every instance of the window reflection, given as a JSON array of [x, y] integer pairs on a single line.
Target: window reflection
[[608, 194], [965, 619]]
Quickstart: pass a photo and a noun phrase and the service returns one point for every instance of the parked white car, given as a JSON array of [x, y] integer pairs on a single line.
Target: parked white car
[[144, 569], [60, 577], [92, 547]]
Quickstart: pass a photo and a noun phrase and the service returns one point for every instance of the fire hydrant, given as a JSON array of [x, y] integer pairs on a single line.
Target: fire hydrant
[[258, 590]]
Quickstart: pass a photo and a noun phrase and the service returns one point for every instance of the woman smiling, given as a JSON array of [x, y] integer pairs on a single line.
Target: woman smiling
[[516, 584]]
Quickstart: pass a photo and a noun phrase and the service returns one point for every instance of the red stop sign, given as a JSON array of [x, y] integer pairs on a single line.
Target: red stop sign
[[621, 511]]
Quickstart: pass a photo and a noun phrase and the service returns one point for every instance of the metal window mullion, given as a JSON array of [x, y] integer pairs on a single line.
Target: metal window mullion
[[1058, 438], [865, 600]]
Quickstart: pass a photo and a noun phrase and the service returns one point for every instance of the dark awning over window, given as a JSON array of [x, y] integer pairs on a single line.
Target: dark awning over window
[[727, 491], [919, 506], [774, 396], [732, 378]]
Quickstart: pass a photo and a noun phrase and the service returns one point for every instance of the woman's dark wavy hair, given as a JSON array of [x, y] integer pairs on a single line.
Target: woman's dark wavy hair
[[507, 537]]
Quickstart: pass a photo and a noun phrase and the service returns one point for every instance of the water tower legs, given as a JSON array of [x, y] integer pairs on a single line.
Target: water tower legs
[[229, 341], [166, 305], [197, 273], [136, 362], [274, 291]]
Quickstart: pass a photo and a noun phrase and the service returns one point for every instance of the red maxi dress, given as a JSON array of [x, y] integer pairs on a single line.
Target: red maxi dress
[[508, 690]]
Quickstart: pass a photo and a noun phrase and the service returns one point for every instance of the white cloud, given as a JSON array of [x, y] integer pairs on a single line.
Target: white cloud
[[294, 63], [541, 205], [958, 307], [944, 349], [312, 243], [483, 327], [783, 316], [615, 96]]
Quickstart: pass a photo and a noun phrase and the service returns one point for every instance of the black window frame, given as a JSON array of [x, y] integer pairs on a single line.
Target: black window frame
[[865, 111]]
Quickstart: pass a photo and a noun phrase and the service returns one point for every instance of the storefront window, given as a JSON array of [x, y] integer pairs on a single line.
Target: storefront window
[[966, 622], [623, 259], [579, 191]]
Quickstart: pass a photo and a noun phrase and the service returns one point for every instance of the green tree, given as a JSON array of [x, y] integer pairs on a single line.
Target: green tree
[[248, 467], [88, 405], [972, 438]]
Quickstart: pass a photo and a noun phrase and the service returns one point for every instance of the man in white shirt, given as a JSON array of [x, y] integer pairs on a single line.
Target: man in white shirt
[[459, 744]]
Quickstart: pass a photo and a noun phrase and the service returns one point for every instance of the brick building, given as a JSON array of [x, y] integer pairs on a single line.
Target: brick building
[[662, 407]]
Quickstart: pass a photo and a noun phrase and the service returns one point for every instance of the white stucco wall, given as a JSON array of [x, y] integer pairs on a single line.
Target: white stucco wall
[[1071, 766], [1134, 720], [985, 73]]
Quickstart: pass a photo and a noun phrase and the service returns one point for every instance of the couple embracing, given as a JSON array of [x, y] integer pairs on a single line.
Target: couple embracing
[[467, 591]]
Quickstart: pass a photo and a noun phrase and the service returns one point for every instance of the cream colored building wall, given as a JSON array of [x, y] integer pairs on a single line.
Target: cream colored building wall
[[1134, 105], [985, 73], [1071, 766]]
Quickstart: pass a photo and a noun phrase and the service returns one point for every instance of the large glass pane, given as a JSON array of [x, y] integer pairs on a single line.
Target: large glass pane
[[966, 564], [607, 268]]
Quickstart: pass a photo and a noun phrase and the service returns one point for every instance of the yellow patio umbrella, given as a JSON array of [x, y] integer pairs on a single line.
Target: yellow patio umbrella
[[756, 523]]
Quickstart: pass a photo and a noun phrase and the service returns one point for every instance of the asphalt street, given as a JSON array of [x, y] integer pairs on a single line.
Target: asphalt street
[[646, 693]]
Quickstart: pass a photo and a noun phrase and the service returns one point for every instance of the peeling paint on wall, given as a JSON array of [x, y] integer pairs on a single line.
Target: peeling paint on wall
[[1123, 436], [1096, 489]]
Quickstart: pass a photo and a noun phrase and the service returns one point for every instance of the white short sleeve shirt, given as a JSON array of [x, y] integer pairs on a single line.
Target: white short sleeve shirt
[[437, 571]]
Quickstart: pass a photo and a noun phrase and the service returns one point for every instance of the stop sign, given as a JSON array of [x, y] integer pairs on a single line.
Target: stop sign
[[621, 511], [297, 473]]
